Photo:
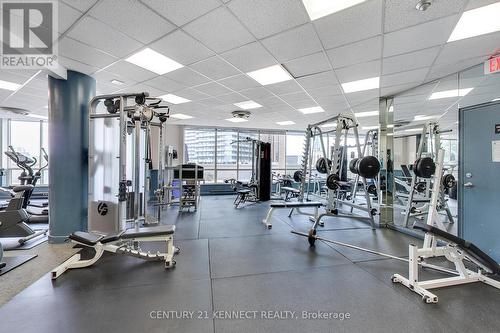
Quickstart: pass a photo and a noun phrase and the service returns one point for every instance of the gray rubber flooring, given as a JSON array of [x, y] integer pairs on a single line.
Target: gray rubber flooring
[[230, 264]]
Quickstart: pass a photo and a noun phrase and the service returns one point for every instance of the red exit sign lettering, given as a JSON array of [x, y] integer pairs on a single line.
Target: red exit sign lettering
[[492, 65]]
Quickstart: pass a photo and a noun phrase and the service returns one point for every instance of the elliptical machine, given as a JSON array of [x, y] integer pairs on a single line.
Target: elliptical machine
[[29, 177]]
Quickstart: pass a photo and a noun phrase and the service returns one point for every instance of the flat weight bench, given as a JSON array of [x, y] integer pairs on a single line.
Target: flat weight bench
[[292, 205], [241, 196], [456, 250], [124, 242], [290, 192]]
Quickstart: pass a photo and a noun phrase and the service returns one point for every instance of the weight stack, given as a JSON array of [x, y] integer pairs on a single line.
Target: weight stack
[[265, 172]]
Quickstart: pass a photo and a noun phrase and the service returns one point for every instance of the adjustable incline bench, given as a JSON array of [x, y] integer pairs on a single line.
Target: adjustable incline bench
[[456, 250], [293, 205], [124, 242]]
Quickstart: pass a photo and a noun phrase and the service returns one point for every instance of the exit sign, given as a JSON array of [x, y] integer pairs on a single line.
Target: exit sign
[[492, 65]]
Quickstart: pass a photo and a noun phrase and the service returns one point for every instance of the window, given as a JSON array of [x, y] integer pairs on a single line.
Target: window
[[227, 155], [27, 137], [294, 151]]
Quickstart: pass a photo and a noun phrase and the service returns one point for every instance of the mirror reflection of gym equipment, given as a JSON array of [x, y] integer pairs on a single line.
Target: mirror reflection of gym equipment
[[249, 166]]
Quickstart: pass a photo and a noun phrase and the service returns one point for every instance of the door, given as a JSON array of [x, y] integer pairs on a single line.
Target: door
[[479, 177]]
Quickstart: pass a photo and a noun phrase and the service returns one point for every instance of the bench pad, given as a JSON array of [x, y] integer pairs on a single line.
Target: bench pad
[[86, 238], [149, 231], [290, 189], [296, 204]]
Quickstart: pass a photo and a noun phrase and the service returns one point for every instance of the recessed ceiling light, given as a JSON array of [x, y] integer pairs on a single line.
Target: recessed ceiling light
[[367, 128], [390, 126], [360, 85], [9, 85], [153, 61], [31, 115], [422, 117], [366, 114], [117, 82], [476, 22], [314, 109], [320, 8], [270, 75], [329, 125], [390, 134], [450, 93], [286, 122], [496, 99], [247, 105], [236, 120], [174, 99], [180, 116], [413, 130], [391, 109]]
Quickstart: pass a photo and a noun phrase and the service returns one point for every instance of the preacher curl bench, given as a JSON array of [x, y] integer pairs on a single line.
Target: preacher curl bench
[[125, 242]]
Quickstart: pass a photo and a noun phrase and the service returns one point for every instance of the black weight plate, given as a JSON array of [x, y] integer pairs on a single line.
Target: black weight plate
[[424, 167], [448, 181], [321, 165], [352, 165], [332, 181], [368, 167], [297, 176]]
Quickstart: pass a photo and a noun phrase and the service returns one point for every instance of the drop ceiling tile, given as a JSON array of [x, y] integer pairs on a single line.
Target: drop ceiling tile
[[12, 76], [81, 5], [250, 57], [362, 97], [311, 64], [296, 97], [293, 43], [439, 71], [131, 71], [256, 93], [232, 98], [393, 90], [213, 89], [362, 51], [215, 68], [133, 19], [332, 90], [330, 100], [182, 48], [408, 61], [219, 30], [239, 82], [76, 65], [401, 14], [416, 76], [191, 94], [181, 12], [211, 102], [67, 16], [285, 87], [96, 34], [75, 50], [479, 3], [420, 36], [264, 17], [350, 25], [318, 80], [163, 83], [106, 77], [187, 77], [359, 72], [479, 46]]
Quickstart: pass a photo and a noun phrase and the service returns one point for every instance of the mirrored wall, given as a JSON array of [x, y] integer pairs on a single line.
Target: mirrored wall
[[425, 122]]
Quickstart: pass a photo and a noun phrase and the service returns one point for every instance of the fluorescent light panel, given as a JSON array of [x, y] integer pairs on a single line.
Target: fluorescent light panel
[[496, 99], [366, 114], [361, 85], [422, 117], [117, 82], [413, 130], [367, 128], [476, 22], [285, 123], [180, 116], [236, 120], [319, 8], [32, 115], [270, 75], [314, 109], [9, 85], [247, 105], [174, 99], [153, 61], [450, 93]]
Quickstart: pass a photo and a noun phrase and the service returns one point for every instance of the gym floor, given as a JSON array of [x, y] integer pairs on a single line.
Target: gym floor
[[229, 261]]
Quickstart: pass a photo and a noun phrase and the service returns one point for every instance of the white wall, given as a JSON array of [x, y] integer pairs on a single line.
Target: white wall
[[405, 149], [173, 135]]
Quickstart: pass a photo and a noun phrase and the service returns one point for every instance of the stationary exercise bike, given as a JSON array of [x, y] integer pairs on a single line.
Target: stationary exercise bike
[[13, 219]]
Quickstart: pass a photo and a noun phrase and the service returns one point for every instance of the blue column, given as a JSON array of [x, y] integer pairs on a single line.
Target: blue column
[[68, 147]]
